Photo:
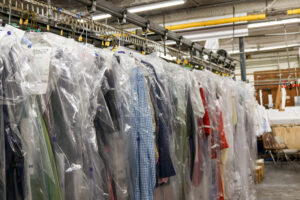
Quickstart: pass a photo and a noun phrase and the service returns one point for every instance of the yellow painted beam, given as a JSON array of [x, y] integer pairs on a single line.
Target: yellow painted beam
[[293, 12], [217, 22]]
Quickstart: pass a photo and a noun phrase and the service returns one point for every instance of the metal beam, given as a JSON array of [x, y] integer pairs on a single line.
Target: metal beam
[[120, 13], [242, 59]]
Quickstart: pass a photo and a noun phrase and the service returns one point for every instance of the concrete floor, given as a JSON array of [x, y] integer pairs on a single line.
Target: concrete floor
[[280, 183]]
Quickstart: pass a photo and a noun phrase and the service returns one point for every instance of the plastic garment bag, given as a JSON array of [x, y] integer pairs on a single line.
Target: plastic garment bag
[[227, 159], [30, 168], [41, 174], [2, 135], [12, 105], [153, 70], [195, 172], [178, 86], [218, 136], [68, 110], [252, 130], [15, 89], [241, 148], [90, 71], [113, 131], [136, 124], [106, 130]]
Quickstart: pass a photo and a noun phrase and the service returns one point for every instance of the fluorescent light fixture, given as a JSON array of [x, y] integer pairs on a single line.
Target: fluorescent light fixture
[[265, 49], [274, 23], [102, 16], [217, 34], [154, 6], [143, 8]]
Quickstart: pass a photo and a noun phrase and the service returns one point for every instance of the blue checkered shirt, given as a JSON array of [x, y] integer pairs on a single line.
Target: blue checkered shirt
[[142, 131]]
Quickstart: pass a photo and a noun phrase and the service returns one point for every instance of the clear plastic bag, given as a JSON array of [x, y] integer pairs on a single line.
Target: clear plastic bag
[[69, 108], [17, 81], [93, 124]]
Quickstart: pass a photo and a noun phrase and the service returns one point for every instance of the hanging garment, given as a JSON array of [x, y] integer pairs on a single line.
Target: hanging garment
[[64, 126], [137, 124], [205, 122], [69, 115], [109, 120], [12, 113], [161, 104], [13, 94], [142, 135], [41, 174], [2, 137], [242, 154], [104, 125], [178, 86]]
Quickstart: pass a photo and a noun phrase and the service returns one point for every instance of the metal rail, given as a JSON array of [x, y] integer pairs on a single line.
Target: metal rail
[[56, 17], [120, 13]]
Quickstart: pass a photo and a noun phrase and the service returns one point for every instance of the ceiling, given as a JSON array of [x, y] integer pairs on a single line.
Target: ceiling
[[255, 39]]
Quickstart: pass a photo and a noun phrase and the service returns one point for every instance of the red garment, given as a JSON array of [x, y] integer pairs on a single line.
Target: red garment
[[205, 119], [222, 136]]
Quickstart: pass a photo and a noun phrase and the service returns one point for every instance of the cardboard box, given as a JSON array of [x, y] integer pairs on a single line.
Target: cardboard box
[[261, 163], [258, 174]]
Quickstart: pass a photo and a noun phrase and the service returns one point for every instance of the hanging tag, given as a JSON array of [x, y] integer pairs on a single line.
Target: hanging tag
[[41, 64]]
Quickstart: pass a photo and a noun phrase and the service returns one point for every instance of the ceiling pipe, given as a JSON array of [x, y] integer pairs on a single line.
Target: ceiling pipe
[[218, 21], [293, 12]]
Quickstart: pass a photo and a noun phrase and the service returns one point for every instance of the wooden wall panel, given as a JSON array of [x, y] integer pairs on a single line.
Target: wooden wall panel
[[271, 78]]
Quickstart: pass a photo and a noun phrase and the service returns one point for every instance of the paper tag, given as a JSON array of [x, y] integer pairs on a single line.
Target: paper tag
[[41, 64]]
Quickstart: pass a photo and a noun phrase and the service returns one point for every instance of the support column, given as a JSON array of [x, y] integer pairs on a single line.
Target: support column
[[242, 59]]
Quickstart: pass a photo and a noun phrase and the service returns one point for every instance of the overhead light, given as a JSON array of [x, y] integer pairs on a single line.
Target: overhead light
[[274, 23], [217, 33], [143, 8], [154, 6], [265, 49], [102, 16]]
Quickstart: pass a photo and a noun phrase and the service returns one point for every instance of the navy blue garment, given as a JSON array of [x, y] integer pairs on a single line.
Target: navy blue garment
[[192, 132], [12, 112], [162, 108]]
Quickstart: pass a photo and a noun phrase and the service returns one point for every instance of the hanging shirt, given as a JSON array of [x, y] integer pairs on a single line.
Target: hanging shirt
[[142, 137], [162, 108]]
